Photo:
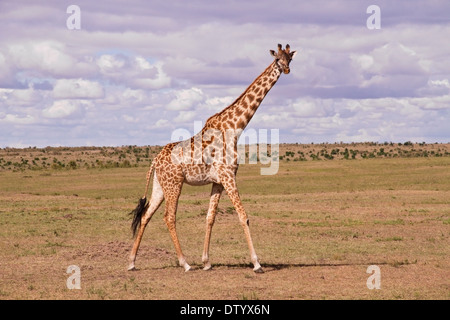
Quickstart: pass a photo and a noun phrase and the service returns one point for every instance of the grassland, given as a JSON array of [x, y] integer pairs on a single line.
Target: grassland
[[317, 225]]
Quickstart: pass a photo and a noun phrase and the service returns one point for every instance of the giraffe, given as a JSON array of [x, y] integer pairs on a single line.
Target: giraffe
[[208, 157]]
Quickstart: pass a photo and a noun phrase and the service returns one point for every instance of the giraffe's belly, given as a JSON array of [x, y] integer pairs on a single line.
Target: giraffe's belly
[[200, 174]]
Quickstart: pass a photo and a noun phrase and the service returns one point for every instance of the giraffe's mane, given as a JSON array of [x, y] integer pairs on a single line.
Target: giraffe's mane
[[242, 94]]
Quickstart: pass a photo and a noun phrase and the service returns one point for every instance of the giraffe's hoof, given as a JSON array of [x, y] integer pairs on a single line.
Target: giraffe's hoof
[[187, 268], [132, 268], [207, 267], [258, 270]]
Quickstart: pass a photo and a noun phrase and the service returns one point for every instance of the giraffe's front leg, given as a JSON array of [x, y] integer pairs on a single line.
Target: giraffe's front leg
[[210, 218], [231, 189]]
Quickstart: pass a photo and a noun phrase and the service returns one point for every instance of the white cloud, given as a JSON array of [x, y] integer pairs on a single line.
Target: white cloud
[[17, 119], [5, 93], [307, 107], [77, 89], [186, 99], [439, 83], [363, 61], [142, 63], [360, 135], [150, 76], [110, 64], [25, 97], [353, 120], [135, 72], [432, 103], [6, 72], [162, 123], [216, 104], [134, 96], [47, 57], [129, 119], [65, 108], [185, 116], [395, 58], [21, 100]]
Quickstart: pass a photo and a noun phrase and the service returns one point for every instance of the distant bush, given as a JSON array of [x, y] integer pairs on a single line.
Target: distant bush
[[72, 165]]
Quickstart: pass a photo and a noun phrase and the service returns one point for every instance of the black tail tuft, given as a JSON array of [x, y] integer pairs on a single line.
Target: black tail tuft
[[137, 214]]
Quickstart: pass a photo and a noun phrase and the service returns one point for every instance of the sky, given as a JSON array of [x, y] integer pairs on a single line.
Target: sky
[[134, 72]]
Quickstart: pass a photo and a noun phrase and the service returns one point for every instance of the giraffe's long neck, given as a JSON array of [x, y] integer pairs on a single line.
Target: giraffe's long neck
[[237, 115]]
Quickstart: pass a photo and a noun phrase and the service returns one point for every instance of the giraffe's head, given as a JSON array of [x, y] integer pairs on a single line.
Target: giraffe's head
[[283, 57]]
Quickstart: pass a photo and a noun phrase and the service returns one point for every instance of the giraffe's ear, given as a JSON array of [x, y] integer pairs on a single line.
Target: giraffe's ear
[[272, 52], [293, 54]]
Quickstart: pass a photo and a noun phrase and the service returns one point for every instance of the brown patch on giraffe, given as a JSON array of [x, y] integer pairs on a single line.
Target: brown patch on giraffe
[[240, 124], [211, 139], [238, 112], [254, 106], [225, 116]]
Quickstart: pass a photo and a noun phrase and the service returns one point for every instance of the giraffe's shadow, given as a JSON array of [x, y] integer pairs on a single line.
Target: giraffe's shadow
[[273, 267]]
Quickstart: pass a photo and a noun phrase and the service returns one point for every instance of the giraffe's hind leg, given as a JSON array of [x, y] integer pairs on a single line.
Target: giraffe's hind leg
[[170, 219], [210, 218], [155, 202]]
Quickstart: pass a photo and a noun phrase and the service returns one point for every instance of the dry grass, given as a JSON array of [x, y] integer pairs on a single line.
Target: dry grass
[[317, 226]]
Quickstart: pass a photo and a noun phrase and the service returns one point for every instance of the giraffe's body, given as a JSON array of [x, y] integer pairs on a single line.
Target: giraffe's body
[[208, 157]]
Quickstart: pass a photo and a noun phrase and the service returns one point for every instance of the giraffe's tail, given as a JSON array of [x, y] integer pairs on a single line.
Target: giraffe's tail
[[142, 206]]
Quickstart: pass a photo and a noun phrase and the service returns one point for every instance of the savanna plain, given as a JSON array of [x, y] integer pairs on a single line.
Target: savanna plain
[[330, 212]]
